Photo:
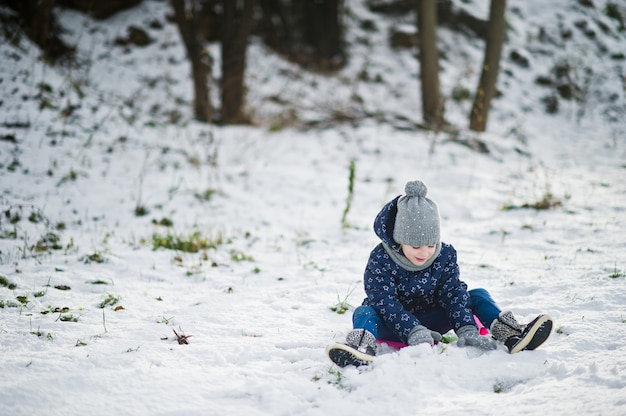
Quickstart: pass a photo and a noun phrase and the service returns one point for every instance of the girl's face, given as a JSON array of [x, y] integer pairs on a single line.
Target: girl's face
[[418, 255]]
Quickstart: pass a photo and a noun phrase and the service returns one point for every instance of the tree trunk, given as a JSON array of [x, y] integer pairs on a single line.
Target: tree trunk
[[432, 108], [186, 16], [237, 25], [275, 26], [38, 21], [41, 22], [99, 9], [323, 32], [491, 66]]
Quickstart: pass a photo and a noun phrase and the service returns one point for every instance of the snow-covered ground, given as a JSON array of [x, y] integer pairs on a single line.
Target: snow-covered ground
[[90, 315]]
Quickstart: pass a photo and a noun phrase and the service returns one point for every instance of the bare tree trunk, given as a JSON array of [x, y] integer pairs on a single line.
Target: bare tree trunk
[[275, 26], [491, 66], [432, 108], [186, 16], [99, 9], [323, 32], [39, 23], [237, 25]]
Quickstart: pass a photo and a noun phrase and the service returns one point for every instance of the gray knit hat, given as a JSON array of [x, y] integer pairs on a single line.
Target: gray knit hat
[[417, 220]]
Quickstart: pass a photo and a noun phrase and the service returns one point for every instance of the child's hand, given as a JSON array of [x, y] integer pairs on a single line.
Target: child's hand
[[468, 335], [422, 335]]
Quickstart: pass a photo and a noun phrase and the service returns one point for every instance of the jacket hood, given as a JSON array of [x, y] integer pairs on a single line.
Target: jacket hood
[[385, 222]]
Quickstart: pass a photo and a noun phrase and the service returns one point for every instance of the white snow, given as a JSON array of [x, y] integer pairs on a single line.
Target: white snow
[[257, 308]]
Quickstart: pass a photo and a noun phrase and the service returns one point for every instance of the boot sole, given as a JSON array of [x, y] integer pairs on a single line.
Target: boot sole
[[344, 355], [536, 334]]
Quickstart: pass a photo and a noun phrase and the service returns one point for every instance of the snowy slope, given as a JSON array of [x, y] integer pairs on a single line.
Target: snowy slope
[[87, 323]]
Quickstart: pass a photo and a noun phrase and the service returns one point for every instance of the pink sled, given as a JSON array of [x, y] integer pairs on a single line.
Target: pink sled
[[482, 330]]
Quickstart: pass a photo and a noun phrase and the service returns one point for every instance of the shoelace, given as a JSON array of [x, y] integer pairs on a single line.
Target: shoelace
[[361, 347]]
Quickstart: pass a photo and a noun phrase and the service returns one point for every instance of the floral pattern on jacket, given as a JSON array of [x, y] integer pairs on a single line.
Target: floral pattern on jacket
[[398, 295]]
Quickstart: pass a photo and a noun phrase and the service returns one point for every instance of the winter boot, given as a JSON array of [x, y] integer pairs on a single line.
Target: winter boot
[[518, 337], [359, 349]]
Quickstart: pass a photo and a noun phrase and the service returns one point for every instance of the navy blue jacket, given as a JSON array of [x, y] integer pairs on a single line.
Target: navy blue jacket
[[398, 295]]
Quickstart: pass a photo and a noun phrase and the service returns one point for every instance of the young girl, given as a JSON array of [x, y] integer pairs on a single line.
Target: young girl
[[414, 293]]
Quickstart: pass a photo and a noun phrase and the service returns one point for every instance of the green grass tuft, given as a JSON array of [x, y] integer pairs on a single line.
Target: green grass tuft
[[110, 300], [187, 244]]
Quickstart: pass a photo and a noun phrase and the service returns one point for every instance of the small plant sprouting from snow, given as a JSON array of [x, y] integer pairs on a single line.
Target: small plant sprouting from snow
[[4, 282], [68, 318], [110, 300], [239, 256], [192, 243], [351, 175], [505, 386], [616, 273], [181, 338], [96, 257], [548, 201], [342, 306], [335, 378]]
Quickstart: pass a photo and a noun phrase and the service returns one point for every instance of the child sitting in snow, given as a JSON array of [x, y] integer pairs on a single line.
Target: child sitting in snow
[[414, 293]]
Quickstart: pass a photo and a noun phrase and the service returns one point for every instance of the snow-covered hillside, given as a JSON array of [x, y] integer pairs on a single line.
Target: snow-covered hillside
[[103, 172]]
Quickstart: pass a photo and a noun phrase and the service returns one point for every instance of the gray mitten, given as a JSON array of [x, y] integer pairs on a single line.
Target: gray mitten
[[421, 335], [469, 336]]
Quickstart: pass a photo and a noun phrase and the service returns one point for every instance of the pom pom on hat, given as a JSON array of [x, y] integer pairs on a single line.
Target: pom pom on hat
[[417, 220], [415, 188]]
